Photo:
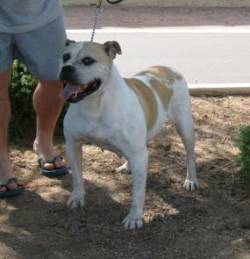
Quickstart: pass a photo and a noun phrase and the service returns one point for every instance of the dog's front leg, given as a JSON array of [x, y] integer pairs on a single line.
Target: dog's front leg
[[74, 154], [138, 163]]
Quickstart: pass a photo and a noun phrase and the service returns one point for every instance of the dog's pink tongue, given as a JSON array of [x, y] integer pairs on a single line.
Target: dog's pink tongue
[[69, 90]]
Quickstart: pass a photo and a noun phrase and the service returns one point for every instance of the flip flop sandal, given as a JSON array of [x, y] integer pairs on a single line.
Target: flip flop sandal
[[56, 171], [10, 192]]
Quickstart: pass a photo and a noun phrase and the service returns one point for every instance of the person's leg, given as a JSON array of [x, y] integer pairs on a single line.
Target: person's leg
[[47, 105], [6, 58], [5, 165], [43, 57]]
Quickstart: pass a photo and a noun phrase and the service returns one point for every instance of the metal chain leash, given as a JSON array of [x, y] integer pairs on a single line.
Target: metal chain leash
[[98, 11]]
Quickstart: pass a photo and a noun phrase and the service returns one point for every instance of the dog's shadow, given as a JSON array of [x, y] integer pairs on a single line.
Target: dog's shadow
[[38, 226]]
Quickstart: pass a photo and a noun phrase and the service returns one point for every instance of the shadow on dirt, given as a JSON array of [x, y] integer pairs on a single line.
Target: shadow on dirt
[[42, 229]]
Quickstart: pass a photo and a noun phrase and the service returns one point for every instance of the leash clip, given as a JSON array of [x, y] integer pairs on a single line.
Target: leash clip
[[99, 4]]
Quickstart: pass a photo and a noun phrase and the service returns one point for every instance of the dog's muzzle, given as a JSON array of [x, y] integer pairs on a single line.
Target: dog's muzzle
[[74, 93]]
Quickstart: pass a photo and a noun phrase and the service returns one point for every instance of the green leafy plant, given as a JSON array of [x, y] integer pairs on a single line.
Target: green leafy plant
[[244, 145], [21, 89], [23, 119]]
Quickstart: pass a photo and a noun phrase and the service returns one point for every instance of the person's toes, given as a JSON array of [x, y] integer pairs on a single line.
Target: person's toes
[[3, 189], [12, 185], [60, 163], [57, 162]]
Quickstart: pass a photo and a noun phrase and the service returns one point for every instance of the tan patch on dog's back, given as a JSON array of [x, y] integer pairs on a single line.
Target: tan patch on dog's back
[[163, 91], [161, 72], [161, 78], [147, 100]]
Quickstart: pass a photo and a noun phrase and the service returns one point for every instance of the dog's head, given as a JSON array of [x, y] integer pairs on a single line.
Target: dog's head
[[85, 67]]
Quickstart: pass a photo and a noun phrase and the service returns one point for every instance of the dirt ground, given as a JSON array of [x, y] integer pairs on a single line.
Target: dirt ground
[[212, 222]]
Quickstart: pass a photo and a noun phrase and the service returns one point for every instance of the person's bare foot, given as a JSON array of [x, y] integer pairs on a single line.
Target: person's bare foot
[[48, 154], [50, 163], [6, 172], [10, 188]]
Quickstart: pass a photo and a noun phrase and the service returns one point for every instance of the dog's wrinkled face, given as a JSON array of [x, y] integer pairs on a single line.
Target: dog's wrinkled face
[[85, 67]]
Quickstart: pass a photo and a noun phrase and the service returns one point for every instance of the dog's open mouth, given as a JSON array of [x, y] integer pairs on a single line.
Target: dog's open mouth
[[74, 93]]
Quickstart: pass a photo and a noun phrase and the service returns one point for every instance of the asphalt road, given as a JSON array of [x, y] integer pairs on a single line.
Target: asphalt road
[[210, 55]]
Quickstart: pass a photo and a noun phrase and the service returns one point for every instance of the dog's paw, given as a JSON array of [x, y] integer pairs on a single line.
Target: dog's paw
[[76, 200], [133, 221], [191, 184], [123, 169]]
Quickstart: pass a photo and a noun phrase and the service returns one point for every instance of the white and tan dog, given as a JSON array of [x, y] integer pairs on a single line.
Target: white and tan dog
[[121, 115]]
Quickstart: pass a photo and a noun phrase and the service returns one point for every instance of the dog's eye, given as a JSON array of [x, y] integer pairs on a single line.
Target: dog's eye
[[66, 57], [88, 61]]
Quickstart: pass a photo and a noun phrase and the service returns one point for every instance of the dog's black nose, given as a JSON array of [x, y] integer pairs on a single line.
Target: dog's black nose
[[68, 69], [67, 73]]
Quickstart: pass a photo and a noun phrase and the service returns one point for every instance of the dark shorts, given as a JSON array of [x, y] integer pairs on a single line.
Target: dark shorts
[[39, 49]]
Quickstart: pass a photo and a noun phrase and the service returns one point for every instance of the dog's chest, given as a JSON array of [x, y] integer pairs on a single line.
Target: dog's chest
[[97, 132], [106, 139], [104, 144]]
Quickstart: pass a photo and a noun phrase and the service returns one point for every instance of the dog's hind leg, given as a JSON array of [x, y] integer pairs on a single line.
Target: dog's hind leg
[[180, 112], [138, 163], [74, 154], [124, 168], [185, 130]]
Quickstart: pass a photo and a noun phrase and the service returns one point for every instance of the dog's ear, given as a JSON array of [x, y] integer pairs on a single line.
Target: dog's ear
[[68, 42], [112, 48]]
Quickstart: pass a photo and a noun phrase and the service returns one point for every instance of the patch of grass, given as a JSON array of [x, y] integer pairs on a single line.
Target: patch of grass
[[244, 145]]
